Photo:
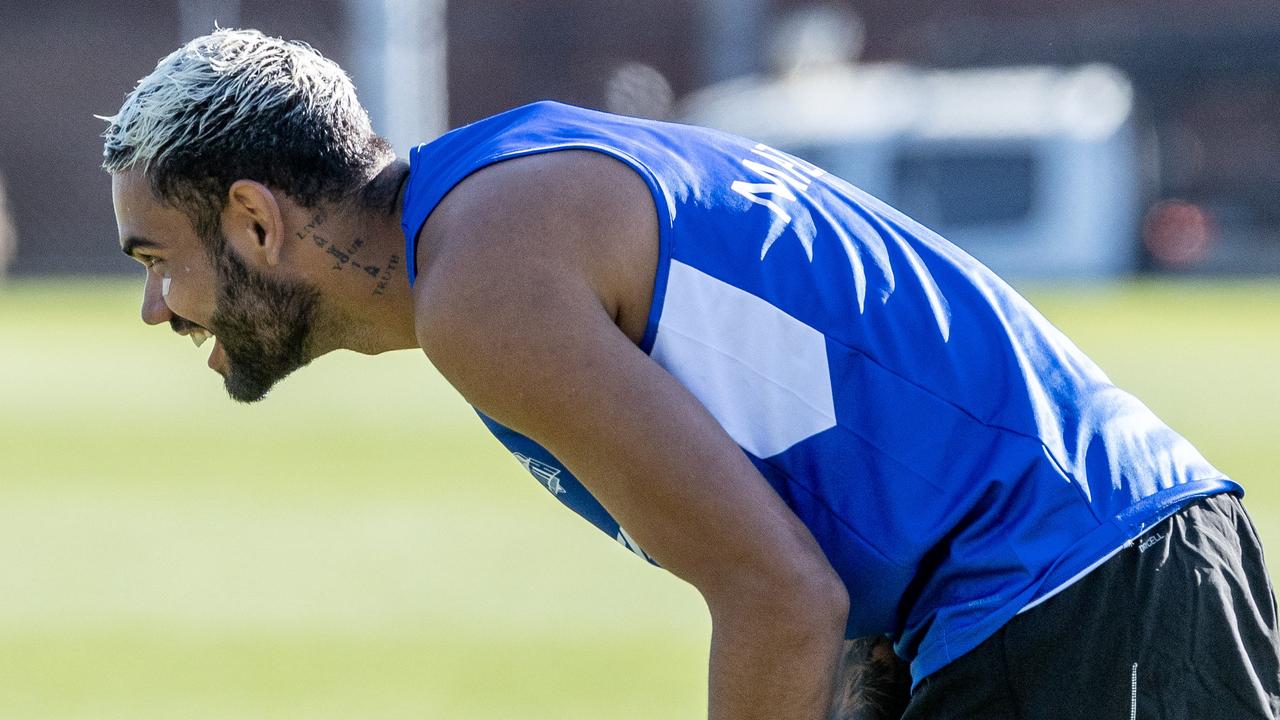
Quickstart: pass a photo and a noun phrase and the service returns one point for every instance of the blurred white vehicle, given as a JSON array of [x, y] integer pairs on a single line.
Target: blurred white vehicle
[[1030, 169]]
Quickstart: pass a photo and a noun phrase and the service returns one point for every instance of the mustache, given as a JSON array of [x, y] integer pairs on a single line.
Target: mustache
[[182, 325]]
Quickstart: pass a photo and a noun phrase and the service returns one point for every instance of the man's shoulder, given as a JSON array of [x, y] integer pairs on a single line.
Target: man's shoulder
[[568, 212], [570, 185]]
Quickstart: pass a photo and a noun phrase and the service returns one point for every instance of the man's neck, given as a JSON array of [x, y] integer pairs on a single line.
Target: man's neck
[[367, 305]]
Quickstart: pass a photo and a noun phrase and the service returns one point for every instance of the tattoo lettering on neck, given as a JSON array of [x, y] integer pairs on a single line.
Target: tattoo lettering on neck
[[308, 230], [346, 257], [342, 257], [384, 277]]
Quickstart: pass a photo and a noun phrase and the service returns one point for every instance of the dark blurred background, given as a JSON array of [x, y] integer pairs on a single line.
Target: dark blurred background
[[1203, 123]]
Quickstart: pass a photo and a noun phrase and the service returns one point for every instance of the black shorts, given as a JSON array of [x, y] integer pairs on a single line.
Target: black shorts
[[1179, 624]]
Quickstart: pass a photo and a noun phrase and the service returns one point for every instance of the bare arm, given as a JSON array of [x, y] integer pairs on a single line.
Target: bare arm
[[518, 306]]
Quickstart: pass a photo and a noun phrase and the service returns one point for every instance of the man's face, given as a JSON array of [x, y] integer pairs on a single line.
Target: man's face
[[262, 325]]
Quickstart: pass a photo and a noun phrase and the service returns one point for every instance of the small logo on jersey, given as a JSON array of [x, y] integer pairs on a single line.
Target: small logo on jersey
[[546, 474], [1149, 541]]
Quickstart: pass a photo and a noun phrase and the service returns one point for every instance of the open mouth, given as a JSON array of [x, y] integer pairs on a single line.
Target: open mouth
[[199, 335]]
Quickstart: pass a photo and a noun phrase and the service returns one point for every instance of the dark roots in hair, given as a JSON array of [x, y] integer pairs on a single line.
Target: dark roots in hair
[[237, 104]]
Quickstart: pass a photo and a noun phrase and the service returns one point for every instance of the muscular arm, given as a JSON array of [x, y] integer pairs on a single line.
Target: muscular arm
[[525, 275]]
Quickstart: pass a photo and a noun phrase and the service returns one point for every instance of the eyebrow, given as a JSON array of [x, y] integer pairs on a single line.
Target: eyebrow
[[132, 243]]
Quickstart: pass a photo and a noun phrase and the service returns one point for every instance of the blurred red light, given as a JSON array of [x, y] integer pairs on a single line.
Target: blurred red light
[[1178, 233]]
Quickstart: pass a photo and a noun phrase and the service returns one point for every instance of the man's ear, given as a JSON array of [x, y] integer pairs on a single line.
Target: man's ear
[[252, 222]]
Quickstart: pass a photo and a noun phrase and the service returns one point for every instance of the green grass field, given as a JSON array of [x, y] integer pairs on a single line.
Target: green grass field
[[357, 546]]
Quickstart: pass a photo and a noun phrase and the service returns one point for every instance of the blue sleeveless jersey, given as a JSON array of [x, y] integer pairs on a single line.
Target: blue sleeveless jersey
[[955, 456]]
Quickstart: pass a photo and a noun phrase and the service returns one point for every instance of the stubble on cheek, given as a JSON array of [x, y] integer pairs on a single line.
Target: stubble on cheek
[[264, 326]]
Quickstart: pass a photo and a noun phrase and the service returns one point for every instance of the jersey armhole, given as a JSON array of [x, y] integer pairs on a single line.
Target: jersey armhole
[[662, 203]]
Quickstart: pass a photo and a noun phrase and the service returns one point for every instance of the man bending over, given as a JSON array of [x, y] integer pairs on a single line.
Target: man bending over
[[830, 420]]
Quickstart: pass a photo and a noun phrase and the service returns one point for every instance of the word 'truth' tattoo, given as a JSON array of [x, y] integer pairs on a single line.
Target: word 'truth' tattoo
[[384, 277]]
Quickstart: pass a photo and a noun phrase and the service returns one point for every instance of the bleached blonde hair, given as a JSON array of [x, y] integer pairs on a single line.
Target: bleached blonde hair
[[238, 104]]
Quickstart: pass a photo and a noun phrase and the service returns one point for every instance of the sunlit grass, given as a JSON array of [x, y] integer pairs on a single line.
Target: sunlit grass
[[357, 546]]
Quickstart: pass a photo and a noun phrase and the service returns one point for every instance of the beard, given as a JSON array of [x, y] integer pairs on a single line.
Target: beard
[[264, 326]]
